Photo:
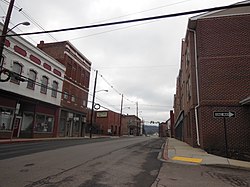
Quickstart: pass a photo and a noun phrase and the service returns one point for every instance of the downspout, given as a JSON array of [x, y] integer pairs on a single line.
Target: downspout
[[197, 88]]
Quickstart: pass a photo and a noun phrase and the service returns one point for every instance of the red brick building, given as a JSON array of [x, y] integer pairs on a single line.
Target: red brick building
[[107, 122], [214, 77], [132, 125], [75, 86]]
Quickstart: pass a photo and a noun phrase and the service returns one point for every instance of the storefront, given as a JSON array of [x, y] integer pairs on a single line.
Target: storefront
[[72, 124], [27, 118]]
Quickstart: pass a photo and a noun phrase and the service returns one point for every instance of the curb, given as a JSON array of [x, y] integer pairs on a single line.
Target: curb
[[227, 166]]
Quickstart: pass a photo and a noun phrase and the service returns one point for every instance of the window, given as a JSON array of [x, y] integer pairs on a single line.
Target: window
[[6, 116], [69, 70], [187, 57], [54, 89], [27, 123], [82, 77], [84, 103], [74, 71], [31, 80], [188, 88], [44, 85], [66, 95], [73, 98], [17, 69], [44, 123]]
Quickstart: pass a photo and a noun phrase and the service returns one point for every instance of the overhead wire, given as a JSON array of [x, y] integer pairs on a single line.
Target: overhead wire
[[131, 20]]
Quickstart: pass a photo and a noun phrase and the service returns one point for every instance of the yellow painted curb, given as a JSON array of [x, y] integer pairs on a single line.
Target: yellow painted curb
[[187, 159]]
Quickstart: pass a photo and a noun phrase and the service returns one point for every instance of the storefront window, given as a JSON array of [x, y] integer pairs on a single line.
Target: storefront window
[[44, 123], [27, 122], [6, 117]]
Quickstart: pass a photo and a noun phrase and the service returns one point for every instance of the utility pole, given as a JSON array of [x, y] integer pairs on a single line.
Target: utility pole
[[4, 32], [137, 123], [121, 117], [92, 109]]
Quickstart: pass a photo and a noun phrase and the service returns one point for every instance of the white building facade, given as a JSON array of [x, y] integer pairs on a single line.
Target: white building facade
[[30, 98]]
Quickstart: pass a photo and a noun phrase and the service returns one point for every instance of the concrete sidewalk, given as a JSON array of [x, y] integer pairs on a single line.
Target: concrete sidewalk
[[20, 140], [180, 152]]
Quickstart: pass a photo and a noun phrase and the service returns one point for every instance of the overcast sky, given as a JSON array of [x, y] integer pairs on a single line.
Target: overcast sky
[[139, 60]]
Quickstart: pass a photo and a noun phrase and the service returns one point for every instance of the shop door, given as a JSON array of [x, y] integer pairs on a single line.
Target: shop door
[[17, 125]]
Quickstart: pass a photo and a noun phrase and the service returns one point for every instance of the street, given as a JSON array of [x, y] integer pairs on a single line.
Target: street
[[107, 162], [118, 162]]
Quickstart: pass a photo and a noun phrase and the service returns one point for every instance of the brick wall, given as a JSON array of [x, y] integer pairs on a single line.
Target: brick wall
[[223, 48], [224, 68]]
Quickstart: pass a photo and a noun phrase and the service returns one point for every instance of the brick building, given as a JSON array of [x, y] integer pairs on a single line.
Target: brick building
[[214, 77], [132, 125], [75, 86], [107, 122], [30, 100]]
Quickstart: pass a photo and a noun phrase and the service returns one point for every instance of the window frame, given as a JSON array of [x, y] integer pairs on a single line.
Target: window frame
[[54, 89], [13, 78], [31, 80], [44, 87]]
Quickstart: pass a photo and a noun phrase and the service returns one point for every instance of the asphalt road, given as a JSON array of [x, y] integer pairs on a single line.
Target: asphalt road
[[112, 162], [25, 148]]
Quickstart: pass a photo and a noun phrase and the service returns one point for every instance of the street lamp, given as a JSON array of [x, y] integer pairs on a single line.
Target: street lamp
[[3, 38], [26, 23]]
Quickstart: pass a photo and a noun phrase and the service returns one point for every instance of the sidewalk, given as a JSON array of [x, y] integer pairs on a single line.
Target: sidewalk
[[180, 152], [19, 140]]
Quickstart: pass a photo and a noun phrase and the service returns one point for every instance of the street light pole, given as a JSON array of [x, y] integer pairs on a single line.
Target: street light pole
[[5, 30], [92, 109]]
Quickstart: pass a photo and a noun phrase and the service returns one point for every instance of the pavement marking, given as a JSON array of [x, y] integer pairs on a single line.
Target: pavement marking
[[187, 159]]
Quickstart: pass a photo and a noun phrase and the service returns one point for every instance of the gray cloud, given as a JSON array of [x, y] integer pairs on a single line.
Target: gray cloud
[[140, 61]]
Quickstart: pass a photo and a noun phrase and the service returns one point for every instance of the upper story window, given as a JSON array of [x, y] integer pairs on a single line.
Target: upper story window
[[73, 98], [73, 75], [54, 89], [84, 103], [82, 76], [188, 88], [44, 86], [69, 70], [187, 57], [32, 79], [66, 95], [17, 69]]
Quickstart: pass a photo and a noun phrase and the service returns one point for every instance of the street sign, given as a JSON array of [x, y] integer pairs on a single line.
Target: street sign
[[224, 114]]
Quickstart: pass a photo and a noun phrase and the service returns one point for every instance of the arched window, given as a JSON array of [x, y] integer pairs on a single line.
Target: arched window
[[32, 79], [44, 86], [17, 69], [54, 89]]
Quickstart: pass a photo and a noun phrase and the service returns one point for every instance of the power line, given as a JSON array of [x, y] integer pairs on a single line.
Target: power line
[[135, 67], [163, 6], [132, 20], [35, 22]]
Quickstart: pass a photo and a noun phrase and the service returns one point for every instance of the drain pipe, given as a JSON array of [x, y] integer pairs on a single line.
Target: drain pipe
[[197, 88]]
